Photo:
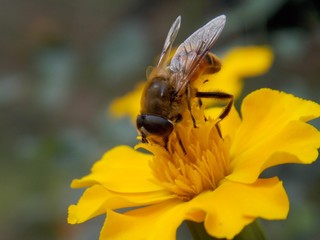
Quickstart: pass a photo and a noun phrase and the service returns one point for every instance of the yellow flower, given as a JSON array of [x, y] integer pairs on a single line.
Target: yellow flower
[[214, 180], [238, 63]]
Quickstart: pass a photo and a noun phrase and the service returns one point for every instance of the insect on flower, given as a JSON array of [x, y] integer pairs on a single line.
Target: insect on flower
[[168, 92]]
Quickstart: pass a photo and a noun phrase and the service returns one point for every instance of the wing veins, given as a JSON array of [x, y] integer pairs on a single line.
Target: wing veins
[[184, 69], [169, 41]]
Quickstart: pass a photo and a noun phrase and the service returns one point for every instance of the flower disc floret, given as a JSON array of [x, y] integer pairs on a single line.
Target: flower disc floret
[[196, 159]]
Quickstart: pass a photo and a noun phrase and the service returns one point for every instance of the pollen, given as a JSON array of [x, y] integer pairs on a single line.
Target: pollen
[[195, 159]]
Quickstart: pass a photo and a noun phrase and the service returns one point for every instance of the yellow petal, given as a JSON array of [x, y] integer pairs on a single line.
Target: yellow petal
[[223, 81], [156, 222], [273, 132], [225, 212], [97, 199], [128, 105], [249, 61], [123, 170], [89, 205], [229, 124], [233, 205]]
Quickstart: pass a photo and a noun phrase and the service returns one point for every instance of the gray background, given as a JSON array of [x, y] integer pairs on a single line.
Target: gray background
[[62, 62]]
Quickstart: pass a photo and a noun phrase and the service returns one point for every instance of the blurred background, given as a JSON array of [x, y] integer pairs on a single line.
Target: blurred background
[[61, 64]]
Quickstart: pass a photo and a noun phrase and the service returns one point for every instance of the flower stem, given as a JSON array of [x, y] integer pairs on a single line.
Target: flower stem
[[252, 231], [198, 231]]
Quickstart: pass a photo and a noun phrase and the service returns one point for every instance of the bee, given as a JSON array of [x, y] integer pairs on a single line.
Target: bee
[[168, 91]]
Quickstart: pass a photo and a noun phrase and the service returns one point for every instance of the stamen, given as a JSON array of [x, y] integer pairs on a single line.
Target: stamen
[[199, 167]]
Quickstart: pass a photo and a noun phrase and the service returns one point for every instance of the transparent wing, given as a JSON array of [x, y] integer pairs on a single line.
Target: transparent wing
[[190, 53], [168, 43]]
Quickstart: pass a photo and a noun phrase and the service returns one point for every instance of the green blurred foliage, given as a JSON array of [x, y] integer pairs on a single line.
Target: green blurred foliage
[[61, 64]]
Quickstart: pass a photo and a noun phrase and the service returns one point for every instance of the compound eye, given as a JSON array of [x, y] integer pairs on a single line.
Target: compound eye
[[154, 125]]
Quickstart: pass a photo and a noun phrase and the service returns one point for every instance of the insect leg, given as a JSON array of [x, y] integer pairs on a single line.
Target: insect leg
[[144, 138], [218, 95], [222, 96], [188, 92], [165, 141], [181, 143], [200, 105]]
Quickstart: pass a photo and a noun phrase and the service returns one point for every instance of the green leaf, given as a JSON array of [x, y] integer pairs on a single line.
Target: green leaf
[[252, 231]]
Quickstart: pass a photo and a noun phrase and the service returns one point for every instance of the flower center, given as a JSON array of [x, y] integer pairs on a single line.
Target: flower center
[[196, 159]]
